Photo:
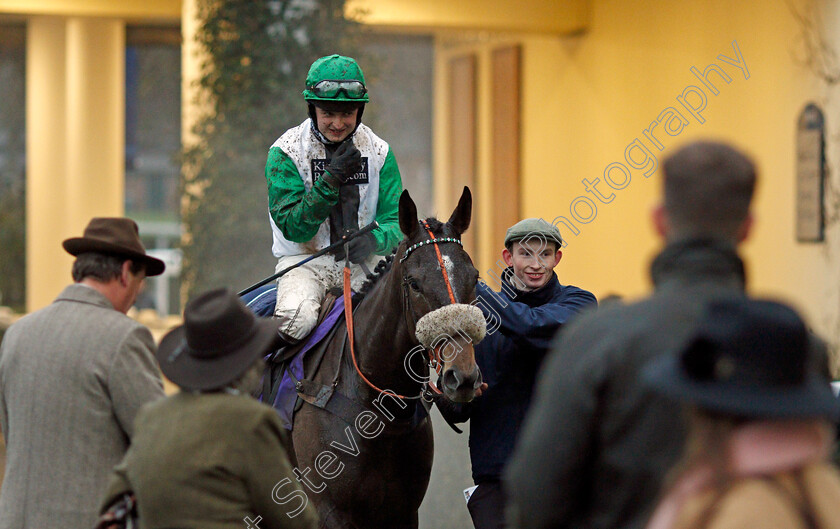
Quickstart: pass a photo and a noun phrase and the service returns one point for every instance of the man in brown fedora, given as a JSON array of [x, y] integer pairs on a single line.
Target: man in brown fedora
[[72, 378]]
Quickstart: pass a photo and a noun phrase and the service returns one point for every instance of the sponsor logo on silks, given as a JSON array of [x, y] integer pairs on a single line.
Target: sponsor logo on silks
[[319, 166]]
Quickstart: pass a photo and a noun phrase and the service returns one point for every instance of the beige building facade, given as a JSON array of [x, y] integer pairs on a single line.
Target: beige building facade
[[557, 109]]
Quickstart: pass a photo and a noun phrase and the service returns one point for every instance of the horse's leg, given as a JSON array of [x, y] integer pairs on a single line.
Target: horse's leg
[[309, 436], [289, 446], [413, 524], [332, 518]]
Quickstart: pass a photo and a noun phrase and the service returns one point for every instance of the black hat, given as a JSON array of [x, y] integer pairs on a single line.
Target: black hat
[[747, 358], [114, 236], [219, 341]]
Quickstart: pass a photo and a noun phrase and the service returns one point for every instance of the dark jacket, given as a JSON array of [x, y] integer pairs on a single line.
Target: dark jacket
[[596, 445], [520, 327]]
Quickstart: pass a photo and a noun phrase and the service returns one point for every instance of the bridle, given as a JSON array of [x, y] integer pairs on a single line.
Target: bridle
[[434, 359]]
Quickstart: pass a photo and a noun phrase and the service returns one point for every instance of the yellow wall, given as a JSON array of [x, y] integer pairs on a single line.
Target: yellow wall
[[586, 97], [552, 16], [134, 9]]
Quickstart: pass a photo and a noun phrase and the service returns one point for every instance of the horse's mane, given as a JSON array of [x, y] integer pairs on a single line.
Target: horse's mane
[[379, 271], [385, 265]]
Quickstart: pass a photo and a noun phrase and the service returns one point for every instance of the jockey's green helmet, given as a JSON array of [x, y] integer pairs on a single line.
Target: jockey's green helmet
[[336, 78]]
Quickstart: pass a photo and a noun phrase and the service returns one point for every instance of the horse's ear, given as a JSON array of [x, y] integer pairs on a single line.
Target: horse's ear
[[460, 219], [408, 215]]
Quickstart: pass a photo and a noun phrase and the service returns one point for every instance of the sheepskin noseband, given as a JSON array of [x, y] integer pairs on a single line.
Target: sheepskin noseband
[[449, 320]]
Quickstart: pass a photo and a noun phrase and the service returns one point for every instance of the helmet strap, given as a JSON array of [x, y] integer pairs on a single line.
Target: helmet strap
[[359, 116]]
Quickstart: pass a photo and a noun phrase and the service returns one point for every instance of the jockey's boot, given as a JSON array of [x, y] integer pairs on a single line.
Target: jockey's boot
[[274, 364], [283, 344]]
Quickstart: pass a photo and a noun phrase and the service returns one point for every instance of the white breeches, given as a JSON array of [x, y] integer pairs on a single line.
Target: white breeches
[[301, 291]]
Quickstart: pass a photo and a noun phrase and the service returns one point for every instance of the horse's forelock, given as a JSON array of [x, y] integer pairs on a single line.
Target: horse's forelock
[[438, 228]]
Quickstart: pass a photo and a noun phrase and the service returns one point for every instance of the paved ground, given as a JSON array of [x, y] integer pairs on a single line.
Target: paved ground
[[444, 506]]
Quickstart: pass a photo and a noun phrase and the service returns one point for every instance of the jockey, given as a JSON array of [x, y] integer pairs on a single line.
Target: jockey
[[328, 176]]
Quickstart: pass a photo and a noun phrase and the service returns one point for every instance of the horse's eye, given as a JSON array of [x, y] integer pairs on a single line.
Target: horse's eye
[[413, 284]]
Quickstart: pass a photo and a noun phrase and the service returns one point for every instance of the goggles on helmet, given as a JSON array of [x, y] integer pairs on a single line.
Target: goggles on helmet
[[331, 88]]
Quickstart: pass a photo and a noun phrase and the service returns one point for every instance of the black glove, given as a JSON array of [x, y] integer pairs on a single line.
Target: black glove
[[361, 247], [346, 161]]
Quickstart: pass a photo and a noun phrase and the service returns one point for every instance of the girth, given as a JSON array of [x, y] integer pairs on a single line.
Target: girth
[[328, 398]]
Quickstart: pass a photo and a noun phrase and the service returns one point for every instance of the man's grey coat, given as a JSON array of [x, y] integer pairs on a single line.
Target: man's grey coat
[[72, 378]]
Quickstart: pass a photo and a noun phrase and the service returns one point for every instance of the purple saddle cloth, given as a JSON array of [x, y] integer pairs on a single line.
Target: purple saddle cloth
[[284, 401]]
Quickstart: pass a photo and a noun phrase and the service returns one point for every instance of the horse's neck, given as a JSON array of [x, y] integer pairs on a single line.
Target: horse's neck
[[382, 335]]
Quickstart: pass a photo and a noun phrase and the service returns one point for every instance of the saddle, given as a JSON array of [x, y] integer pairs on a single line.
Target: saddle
[[297, 374], [288, 366]]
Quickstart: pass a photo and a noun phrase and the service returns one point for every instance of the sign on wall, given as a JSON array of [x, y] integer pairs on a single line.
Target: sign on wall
[[810, 175]]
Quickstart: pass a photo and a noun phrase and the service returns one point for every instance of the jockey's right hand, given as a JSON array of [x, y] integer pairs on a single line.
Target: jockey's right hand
[[345, 162]]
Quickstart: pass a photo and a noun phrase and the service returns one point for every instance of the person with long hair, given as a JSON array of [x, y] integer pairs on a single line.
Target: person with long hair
[[761, 424]]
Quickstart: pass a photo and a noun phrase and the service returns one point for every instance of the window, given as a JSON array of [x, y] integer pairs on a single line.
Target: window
[[152, 146], [13, 165]]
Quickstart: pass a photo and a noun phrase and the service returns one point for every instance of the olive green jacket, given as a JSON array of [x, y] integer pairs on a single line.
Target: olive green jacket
[[208, 461]]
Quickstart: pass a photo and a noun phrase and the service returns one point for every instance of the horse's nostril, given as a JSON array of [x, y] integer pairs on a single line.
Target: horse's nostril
[[454, 380], [451, 380], [476, 377]]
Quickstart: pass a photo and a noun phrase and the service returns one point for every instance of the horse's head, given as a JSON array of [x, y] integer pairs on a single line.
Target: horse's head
[[439, 280]]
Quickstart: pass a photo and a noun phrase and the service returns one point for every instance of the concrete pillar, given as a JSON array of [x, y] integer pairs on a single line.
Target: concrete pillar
[[75, 140], [47, 265], [95, 120]]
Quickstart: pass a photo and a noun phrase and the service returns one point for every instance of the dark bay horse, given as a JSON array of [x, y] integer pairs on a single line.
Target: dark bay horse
[[370, 468]]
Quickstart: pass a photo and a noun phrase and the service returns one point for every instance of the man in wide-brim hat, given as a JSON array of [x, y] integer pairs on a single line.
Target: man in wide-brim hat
[[219, 340], [762, 424], [749, 359], [72, 377], [211, 452]]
